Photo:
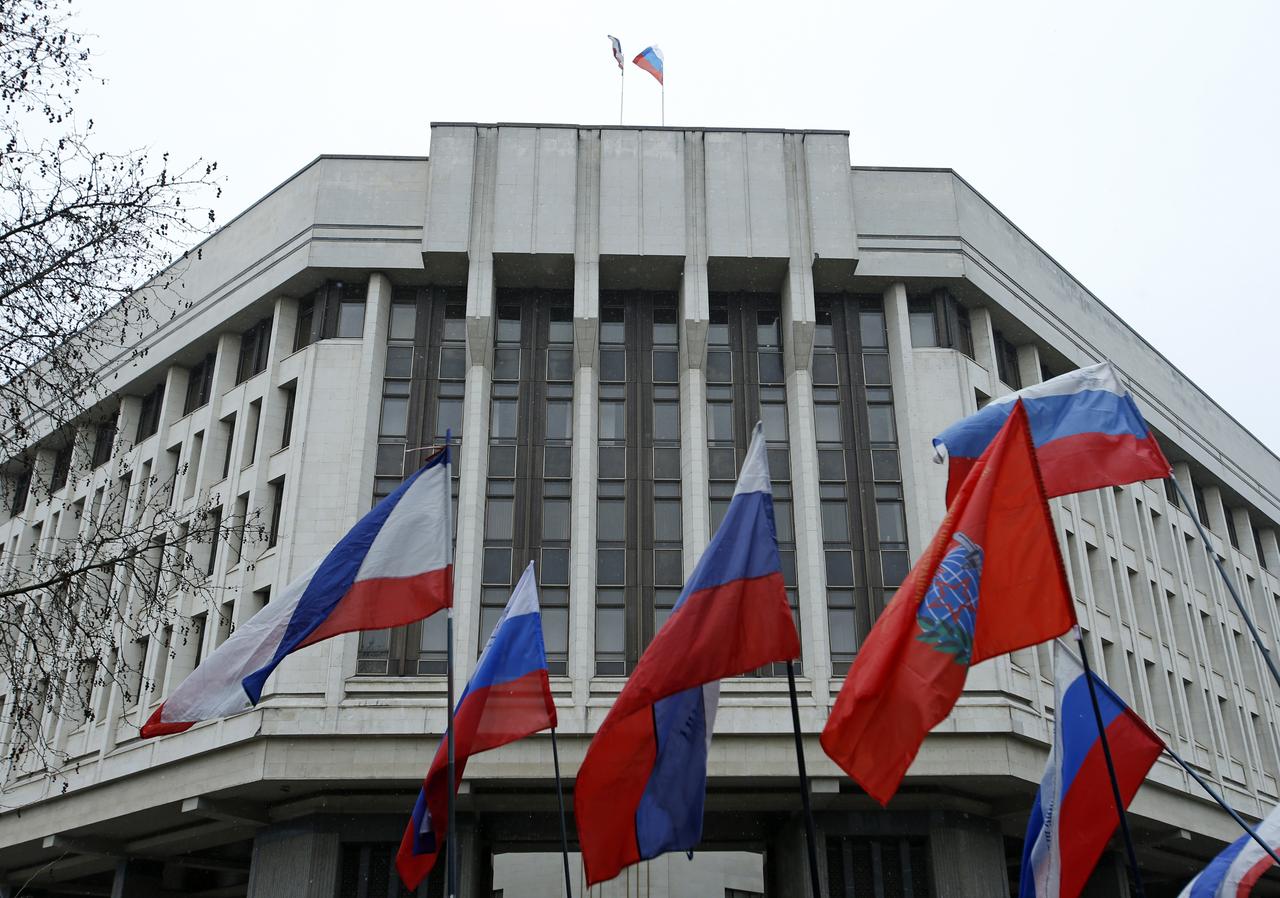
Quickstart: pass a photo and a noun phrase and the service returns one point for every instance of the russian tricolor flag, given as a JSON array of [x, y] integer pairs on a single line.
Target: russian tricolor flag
[[508, 698], [1075, 812], [395, 566], [1235, 871], [640, 789], [650, 59], [1085, 426]]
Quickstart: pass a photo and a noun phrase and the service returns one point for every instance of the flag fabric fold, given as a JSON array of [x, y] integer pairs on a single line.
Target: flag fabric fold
[[1239, 866], [1074, 814], [395, 566], [1086, 428], [651, 60], [617, 52], [640, 790], [508, 698], [990, 582]]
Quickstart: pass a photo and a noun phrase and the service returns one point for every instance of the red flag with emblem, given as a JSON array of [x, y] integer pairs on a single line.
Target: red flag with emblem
[[991, 582]]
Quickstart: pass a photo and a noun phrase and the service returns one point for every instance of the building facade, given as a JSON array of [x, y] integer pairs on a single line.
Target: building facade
[[599, 316]]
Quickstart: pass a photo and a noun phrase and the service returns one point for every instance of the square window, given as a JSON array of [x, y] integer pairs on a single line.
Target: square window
[[665, 331], [667, 570], [390, 460], [719, 367], [611, 630], [666, 464], [824, 368], [502, 419], [894, 565], [770, 367], [497, 519], [720, 422], [884, 464], [497, 566], [395, 417], [350, 319], [666, 366], [557, 462], [613, 365], [453, 362], [666, 421], [668, 523], [880, 424], [555, 519], [611, 567], [399, 361], [559, 420], [774, 416], [839, 569], [506, 364], [404, 320], [555, 630], [841, 626], [722, 464], [871, 328], [502, 461], [826, 419], [891, 521], [508, 330], [611, 520], [559, 364], [613, 462], [448, 417], [875, 368], [835, 522], [613, 420], [555, 567], [831, 464]]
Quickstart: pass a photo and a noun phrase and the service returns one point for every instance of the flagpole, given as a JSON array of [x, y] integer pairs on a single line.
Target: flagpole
[[622, 92], [1190, 507], [451, 841], [1111, 768], [663, 93], [810, 837], [1253, 834], [564, 830]]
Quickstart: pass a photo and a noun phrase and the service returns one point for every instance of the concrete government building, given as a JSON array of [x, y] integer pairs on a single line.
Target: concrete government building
[[601, 314]]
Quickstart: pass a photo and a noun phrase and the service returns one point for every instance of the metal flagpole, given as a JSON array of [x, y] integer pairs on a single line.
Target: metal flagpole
[[622, 92], [1190, 507], [663, 92], [564, 830], [810, 837], [451, 841], [1111, 768], [1221, 801]]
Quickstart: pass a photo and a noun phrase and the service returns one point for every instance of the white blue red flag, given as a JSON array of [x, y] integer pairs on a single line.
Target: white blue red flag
[[1235, 871], [1075, 813], [1085, 426], [508, 698], [395, 566], [640, 790], [650, 59], [617, 51]]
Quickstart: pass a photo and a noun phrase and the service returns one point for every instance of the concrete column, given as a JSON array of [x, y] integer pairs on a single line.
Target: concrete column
[[475, 862], [786, 863], [1269, 551], [967, 856], [1029, 364], [294, 861], [582, 564], [474, 468], [913, 455], [984, 342], [1182, 473]]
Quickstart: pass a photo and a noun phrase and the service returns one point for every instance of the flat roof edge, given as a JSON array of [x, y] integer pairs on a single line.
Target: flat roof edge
[[567, 126]]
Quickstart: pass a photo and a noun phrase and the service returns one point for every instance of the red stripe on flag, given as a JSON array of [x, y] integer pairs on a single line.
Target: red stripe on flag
[[384, 602], [156, 727]]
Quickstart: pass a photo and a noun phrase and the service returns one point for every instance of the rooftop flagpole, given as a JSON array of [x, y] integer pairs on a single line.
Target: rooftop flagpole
[[622, 71]]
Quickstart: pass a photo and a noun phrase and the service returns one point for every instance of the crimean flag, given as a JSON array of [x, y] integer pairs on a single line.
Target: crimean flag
[[650, 59], [508, 698], [1087, 431], [640, 789], [1075, 813], [1235, 871], [990, 582], [395, 566]]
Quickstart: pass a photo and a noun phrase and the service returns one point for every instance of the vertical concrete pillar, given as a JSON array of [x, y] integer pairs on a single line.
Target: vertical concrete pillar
[[1182, 473], [984, 342], [925, 488], [294, 861], [695, 304], [1029, 364], [967, 855], [475, 862]]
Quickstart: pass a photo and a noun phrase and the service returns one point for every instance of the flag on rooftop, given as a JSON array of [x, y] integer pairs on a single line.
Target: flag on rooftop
[[508, 698], [1074, 814], [641, 787], [1087, 431], [650, 59], [990, 582], [395, 566], [617, 51]]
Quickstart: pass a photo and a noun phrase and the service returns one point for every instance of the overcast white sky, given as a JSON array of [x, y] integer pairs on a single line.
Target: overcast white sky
[[1138, 142]]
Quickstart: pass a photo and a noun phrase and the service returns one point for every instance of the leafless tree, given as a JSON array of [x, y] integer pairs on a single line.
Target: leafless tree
[[90, 258]]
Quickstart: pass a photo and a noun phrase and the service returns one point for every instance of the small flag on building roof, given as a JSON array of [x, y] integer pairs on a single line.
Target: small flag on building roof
[[650, 59], [617, 51]]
